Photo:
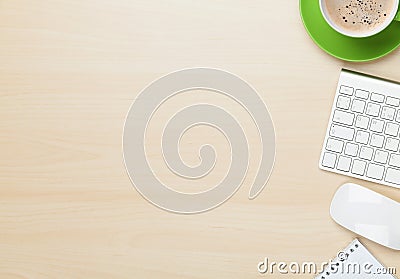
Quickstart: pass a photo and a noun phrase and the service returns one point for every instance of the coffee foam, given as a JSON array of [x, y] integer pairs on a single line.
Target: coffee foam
[[359, 15]]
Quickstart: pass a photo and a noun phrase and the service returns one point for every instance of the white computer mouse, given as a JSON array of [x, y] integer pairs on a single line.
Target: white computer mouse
[[368, 214]]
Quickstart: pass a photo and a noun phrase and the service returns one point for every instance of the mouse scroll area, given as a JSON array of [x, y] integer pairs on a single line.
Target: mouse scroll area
[[368, 214]]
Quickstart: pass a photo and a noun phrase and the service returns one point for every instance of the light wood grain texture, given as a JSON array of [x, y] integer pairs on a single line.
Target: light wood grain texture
[[69, 70]]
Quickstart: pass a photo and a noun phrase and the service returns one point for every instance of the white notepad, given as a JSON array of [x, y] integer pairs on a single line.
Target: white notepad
[[355, 262]]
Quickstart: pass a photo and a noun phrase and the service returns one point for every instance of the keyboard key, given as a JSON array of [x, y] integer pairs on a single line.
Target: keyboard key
[[392, 144], [377, 140], [394, 160], [388, 113], [358, 106], [358, 167], [398, 116], [343, 117], [346, 90], [343, 102], [342, 132], [362, 122], [334, 145], [393, 176], [377, 125], [375, 171], [351, 149], [362, 94], [362, 137], [344, 163], [377, 97], [366, 153], [392, 101], [381, 156], [392, 129], [373, 109], [329, 160]]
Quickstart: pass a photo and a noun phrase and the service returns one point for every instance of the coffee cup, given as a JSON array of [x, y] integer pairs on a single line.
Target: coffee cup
[[360, 18]]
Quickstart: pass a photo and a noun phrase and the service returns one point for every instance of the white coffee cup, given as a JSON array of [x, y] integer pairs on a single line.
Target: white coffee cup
[[394, 15]]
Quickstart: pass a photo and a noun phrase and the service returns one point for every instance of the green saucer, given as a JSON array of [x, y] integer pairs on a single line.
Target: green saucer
[[343, 47]]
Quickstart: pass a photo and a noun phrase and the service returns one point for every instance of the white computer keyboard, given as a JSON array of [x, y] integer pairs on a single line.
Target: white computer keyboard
[[362, 139]]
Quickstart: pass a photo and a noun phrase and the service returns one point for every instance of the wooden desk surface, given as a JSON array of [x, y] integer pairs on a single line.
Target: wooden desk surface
[[69, 71]]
